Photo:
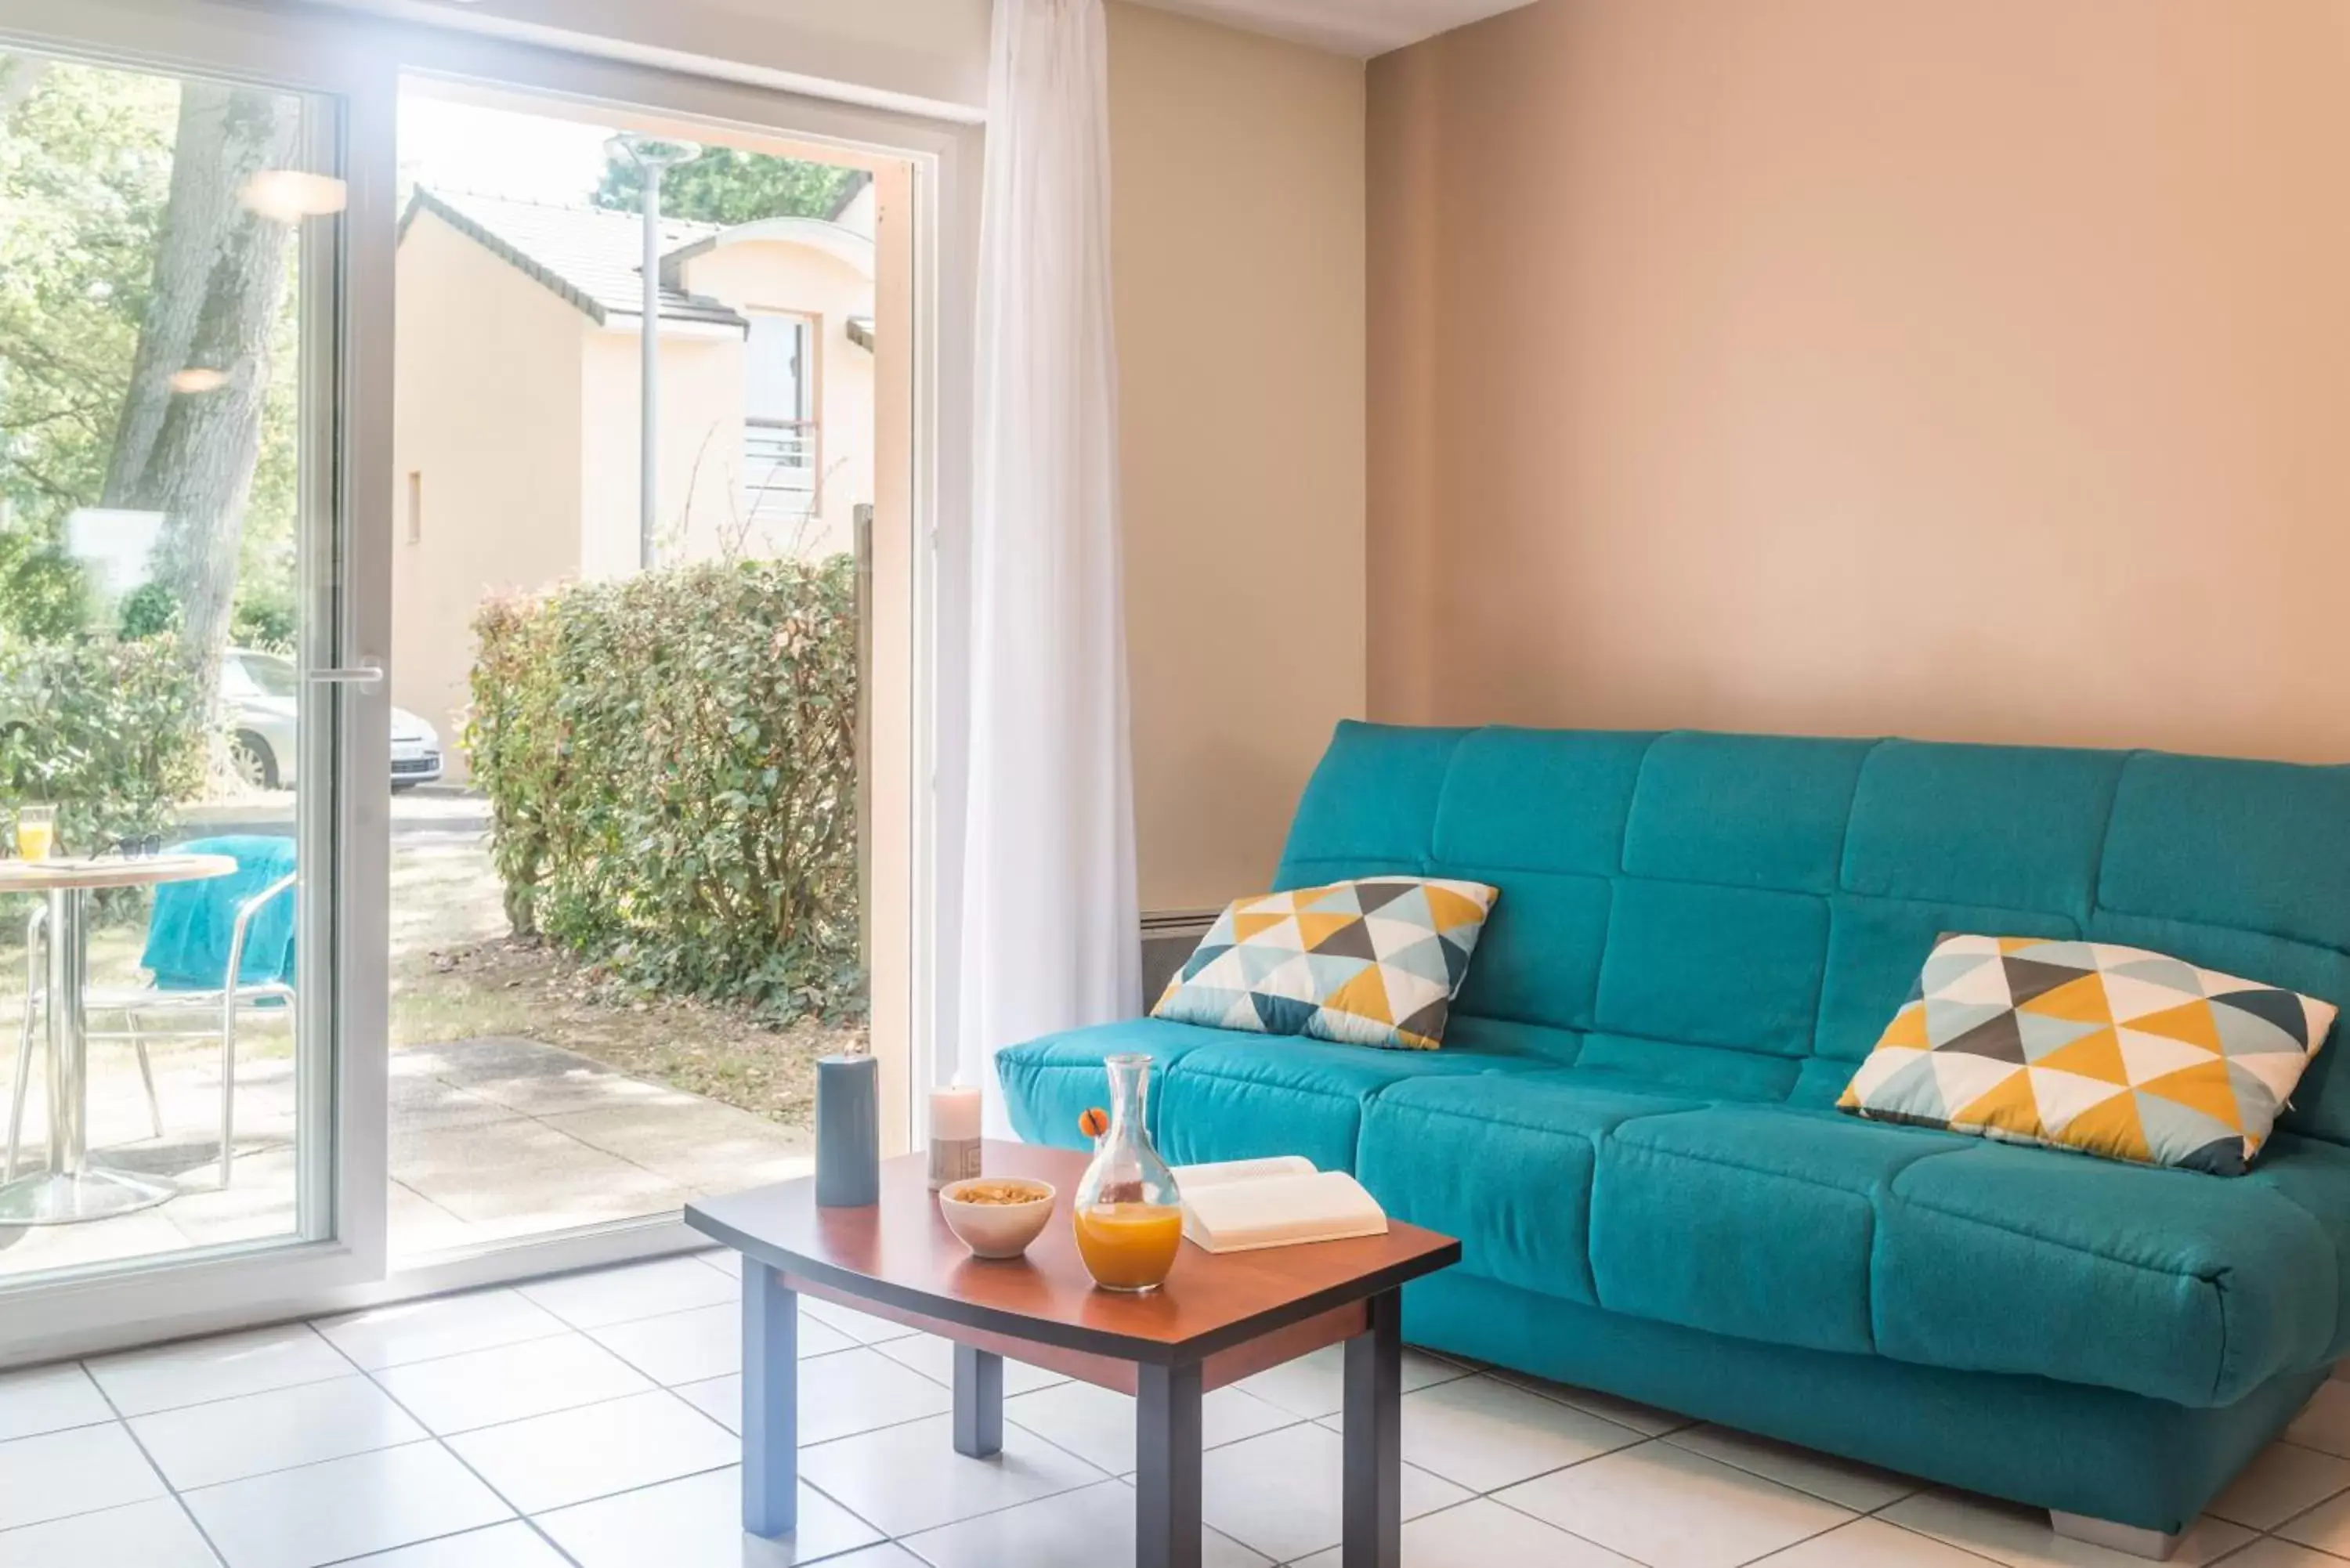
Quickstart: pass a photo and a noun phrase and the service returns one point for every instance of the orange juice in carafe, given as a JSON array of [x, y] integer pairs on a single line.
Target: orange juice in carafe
[[1129, 1246], [1128, 1216]]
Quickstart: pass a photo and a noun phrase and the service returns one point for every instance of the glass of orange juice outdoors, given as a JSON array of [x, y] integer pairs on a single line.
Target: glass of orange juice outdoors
[[1128, 1215], [36, 831]]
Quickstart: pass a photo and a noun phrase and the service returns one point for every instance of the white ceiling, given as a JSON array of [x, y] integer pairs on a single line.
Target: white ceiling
[[1364, 27]]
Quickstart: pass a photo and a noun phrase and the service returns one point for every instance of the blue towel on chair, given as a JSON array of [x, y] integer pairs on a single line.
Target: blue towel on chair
[[188, 938]]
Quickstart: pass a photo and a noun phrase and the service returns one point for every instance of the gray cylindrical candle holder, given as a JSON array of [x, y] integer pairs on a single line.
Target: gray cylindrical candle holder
[[848, 1131]]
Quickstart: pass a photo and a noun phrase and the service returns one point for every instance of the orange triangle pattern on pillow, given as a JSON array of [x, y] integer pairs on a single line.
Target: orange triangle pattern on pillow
[[2111, 1051], [1372, 962]]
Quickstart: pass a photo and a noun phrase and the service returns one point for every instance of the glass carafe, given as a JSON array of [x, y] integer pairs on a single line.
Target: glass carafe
[[1129, 1216]]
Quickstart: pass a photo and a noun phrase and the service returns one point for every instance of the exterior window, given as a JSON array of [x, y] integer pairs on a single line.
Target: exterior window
[[779, 427], [781, 383]]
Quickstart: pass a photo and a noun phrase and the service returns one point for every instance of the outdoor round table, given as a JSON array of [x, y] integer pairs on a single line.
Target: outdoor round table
[[73, 1187]]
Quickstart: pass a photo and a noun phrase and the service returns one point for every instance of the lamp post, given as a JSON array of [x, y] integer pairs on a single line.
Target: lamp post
[[654, 156]]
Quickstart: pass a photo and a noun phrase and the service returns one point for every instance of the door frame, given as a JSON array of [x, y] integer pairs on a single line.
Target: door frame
[[343, 808], [362, 60]]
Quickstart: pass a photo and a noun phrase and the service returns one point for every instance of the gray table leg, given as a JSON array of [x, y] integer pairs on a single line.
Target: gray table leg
[[1374, 1440], [1167, 1476], [72, 1187], [978, 1402], [69, 1074], [771, 1406]]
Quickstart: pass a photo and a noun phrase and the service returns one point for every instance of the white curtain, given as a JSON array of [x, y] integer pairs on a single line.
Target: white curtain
[[1049, 932]]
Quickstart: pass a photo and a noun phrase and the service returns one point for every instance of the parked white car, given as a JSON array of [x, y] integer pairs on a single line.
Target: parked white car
[[259, 691]]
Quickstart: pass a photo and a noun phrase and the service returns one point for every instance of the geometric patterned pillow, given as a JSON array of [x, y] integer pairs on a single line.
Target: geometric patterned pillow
[[2112, 1051], [1372, 962]]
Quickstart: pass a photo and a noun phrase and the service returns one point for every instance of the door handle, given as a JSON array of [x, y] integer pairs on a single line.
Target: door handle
[[353, 675]]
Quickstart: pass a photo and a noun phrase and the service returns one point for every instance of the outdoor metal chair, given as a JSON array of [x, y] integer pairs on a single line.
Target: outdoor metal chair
[[222, 1001]]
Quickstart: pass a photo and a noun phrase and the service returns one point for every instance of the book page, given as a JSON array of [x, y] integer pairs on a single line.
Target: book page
[[1273, 1211], [1224, 1172]]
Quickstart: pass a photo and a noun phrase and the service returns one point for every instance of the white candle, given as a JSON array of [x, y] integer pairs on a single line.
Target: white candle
[[955, 1134], [954, 1113]]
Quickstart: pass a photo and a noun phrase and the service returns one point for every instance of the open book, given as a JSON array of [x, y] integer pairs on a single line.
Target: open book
[[1240, 1205]]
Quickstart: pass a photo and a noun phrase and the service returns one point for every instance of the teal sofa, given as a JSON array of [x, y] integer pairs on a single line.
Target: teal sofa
[[1630, 1126]]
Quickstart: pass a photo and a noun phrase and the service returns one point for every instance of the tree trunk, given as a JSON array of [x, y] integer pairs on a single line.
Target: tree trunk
[[220, 282]]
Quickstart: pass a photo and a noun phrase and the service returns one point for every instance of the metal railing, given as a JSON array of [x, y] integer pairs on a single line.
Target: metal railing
[[779, 465]]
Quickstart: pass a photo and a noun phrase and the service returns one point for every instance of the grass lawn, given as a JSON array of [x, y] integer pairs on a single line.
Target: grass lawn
[[498, 986]]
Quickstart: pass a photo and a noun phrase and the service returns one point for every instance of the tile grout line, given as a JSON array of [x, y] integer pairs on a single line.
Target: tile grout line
[[1644, 1440], [531, 1519], [1525, 1513], [309, 1324], [446, 1448], [169, 1490], [1878, 1513], [2256, 1536], [905, 1541], [1853, 1515], [2299, 1514]]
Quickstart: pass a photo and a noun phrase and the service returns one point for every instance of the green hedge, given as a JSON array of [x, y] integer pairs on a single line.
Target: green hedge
[[670, 763], [106, 730]]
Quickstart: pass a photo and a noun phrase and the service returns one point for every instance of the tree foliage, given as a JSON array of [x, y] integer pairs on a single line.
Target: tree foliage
[[724, 186], [671, 767], [109, 733], [85, 168], [87, 164]]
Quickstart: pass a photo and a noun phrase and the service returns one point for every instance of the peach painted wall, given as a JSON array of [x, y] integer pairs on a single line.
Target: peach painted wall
[[1973, 370], [1237, 249]]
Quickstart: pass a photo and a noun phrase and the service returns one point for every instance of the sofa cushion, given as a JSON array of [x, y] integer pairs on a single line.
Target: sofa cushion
[[1699, 1071], [1215, 1095], [2164, 1283], [1244, 1097], [2012, 828], [1742, 811], [1798, 1227], [1754, 1220], [1504, 1163], [1050, 1081], [1735, 967]]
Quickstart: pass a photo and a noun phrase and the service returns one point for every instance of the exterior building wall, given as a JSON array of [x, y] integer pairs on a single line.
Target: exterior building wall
[[488, 382], [757, 276], [700, 456]]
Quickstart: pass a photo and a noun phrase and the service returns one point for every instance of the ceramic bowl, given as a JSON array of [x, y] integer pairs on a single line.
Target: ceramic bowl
[[996, 1229]]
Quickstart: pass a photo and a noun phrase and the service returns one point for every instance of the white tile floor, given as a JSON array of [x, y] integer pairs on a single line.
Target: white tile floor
[[588, 1422]]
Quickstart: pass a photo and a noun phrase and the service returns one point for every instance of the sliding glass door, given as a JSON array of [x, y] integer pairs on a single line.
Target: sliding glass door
[[288, 1021], [194, 746]]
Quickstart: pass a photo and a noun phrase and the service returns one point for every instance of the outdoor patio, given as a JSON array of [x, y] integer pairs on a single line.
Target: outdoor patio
[[492, 1140]]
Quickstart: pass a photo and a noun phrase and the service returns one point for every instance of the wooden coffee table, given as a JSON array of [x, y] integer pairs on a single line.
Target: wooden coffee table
[[1216, 1320]]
